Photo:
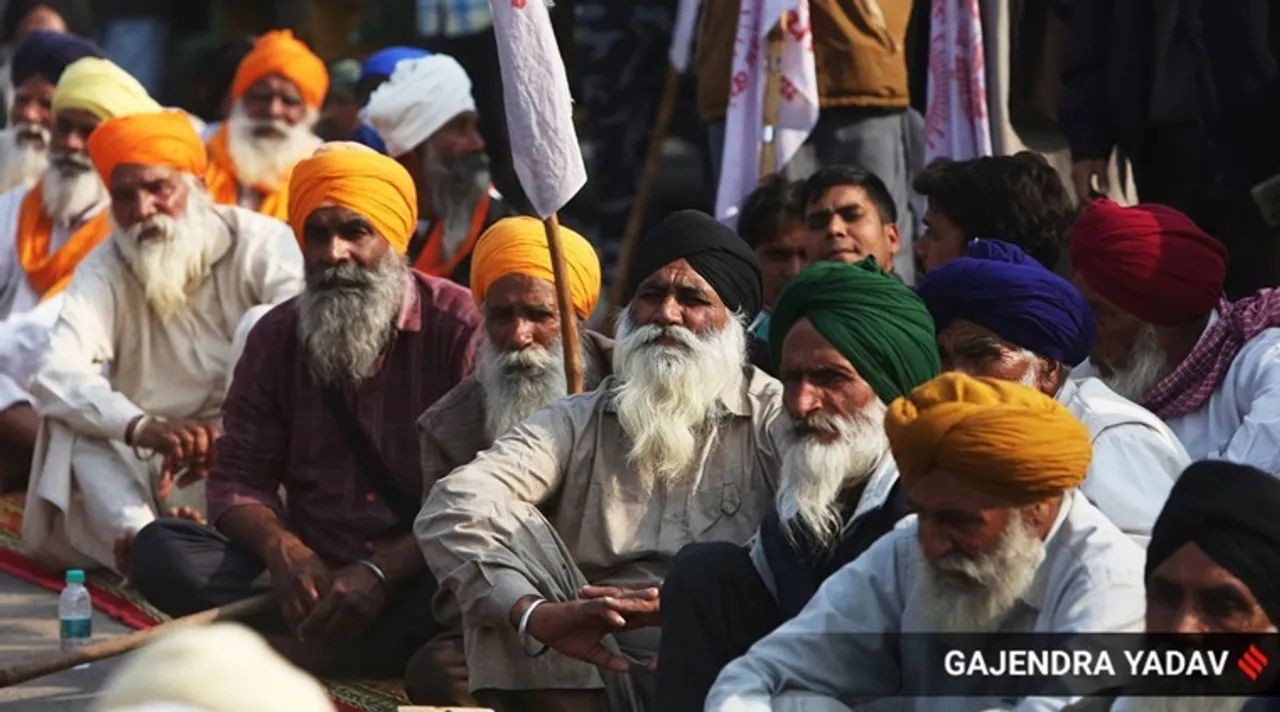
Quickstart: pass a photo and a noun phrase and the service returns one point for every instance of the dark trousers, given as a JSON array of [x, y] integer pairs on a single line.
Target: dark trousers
[[714, 607], [182, 567]]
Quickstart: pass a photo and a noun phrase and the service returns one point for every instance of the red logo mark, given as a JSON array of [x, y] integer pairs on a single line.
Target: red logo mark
[[517, 4], [1252, 662]]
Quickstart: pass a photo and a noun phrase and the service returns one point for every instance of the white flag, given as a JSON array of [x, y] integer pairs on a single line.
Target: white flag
[[682, 34], [956, 123], [798, 109], [544, 145]]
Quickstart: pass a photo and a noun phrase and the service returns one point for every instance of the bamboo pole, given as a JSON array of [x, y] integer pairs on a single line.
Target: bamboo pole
[[772, 102], [25, 670], [564, 302]]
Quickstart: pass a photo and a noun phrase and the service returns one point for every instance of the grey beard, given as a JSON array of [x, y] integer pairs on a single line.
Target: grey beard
[[517, 384], [1147, 365], [347, 315], [456, 191]]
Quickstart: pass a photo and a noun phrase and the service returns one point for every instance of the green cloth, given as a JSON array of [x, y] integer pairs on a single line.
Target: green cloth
[[871, 318]]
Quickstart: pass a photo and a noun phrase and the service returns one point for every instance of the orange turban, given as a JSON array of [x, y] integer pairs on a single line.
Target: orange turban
[[518, 245], [278, 52], [357, 178], [1002, 438], [163, 139]]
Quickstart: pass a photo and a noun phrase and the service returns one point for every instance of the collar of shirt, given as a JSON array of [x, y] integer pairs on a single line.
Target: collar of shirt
[[878, 488], [1035, 594], [410, 308]]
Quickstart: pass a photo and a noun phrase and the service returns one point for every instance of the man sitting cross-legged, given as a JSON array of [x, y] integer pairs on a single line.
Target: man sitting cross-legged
[[322, 408], [850, 339]]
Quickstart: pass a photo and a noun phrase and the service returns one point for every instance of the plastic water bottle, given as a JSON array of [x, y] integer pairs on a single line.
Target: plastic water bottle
[[75, 613]]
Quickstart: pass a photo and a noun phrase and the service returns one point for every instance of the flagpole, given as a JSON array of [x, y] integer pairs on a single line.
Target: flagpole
[[564, 304], [772, 102]]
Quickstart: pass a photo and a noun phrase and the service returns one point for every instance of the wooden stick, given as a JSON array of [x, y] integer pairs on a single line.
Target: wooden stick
[[564, 300], [31, 669], [648, 178], [772, 101]]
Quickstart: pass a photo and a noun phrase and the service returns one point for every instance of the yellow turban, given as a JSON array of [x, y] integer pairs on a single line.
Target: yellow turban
[[1003, 438], [163, 139], [518, 245], [360, 179], [103, 89]]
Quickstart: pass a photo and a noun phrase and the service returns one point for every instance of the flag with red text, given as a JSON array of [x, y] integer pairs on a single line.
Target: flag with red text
[[956, 123]]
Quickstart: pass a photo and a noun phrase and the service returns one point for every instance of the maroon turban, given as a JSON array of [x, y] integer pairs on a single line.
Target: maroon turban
[[1149, 260]]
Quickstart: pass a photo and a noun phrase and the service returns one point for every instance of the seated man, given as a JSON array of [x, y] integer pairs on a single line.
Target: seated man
[[321, 409], [848, 216], [276, 97], [1019, 198], [772, 223], [1002, 542], [1001, 314], [47, 231], [141, 352], [850, 339], [427, 117], [1168, 340], [604, 488]]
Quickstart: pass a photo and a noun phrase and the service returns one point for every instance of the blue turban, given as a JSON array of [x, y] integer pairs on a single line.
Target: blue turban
[[999, 287], [383, 62], [47, 53]]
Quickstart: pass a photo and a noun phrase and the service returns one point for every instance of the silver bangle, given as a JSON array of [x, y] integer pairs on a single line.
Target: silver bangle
[[524, 624], [135, 427], [377, 571]]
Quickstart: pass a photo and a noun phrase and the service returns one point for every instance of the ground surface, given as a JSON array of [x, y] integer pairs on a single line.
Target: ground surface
[[29, 626]]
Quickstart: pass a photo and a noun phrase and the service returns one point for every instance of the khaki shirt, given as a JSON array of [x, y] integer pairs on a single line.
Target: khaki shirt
[[621, 527]]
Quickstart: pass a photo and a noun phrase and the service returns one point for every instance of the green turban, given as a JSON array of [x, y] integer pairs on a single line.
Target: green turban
[[874, 320]]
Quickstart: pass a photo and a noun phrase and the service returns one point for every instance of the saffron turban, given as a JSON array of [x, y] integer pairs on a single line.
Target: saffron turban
[[518, 245], [871, 318], [165, 139], [1001, 288], [421, 96], [713, 250], [358, 178], [1002, 438], [103, 89], [383, 62], [48, 54], [1149, 260], [278, 52]]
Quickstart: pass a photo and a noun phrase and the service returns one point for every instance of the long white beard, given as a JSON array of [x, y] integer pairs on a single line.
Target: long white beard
[[72, 189], [667, 394], [1180, 704], [267, 160], [23, 161], [964, 594], [347, 315], [1147, 364], [814, 472], [517, 384], [173, 261], [456, 191]]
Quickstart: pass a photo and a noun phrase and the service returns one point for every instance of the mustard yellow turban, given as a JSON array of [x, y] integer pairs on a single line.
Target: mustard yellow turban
[[1003, 438], [357, 178], [103, 89], [518, 245], [163, 139]]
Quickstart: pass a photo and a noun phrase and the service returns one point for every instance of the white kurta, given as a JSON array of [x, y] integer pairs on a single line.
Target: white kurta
[[1090, 581], [87, 488], [1136, 457]]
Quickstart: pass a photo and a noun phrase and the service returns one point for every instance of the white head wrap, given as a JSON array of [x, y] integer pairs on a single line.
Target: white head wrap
[[421, 96]]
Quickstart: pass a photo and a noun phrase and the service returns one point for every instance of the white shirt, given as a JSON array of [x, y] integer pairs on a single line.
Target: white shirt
[[1136, 457], [1090, 581]]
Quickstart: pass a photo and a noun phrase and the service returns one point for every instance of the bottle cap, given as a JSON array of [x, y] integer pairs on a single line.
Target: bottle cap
[[75, 576]]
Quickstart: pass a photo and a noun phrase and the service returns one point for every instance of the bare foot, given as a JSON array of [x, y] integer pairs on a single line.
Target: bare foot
[[187, 513], [123, 548]]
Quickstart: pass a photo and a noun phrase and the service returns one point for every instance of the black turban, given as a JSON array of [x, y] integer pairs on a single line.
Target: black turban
[[1230, 512], [48, 53], [712, 249]]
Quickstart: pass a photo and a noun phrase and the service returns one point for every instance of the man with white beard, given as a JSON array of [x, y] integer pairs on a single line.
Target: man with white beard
[[131, 383], [426, 116], [604, 488], [849, 339], [1002, 542], [37, 66], [316, 482], [276, 97], [1167, 338], [44, 234], [1001, 314]]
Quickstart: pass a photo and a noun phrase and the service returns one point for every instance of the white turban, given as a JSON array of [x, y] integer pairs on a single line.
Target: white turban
[[421, 96]]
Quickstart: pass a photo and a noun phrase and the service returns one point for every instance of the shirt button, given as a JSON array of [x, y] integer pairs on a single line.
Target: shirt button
[[370, 497]]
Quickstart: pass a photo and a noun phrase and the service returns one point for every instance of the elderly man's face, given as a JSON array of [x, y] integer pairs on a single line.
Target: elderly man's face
[[844, 225], [71, 129], [140, 193], [1129, 353], [274, 98], [1190, 593], [334, 236], [520, 313], [677, 295], [459, 138], [977, 351], [32, 106], [818, 379]]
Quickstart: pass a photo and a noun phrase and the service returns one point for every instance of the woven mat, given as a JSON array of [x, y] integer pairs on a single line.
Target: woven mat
[[125, 605]]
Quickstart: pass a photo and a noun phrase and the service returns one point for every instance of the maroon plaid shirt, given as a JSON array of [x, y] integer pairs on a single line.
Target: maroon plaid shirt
[[278, 432]]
